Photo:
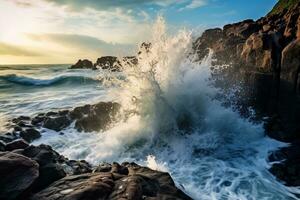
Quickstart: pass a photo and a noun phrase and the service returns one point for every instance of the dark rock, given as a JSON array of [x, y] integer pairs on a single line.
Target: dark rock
[[17, 128], [57, 123], [119, 169], [7, 137], [63, 112], [51, 113], [87, 186], [83, 64], [140, 183], [104, 167], [37, 120], [2, 145], [98, 117], [80, 111], [17, 144], [79, 167], [50, 165], [108, 62], [30, 134], [17, 175]]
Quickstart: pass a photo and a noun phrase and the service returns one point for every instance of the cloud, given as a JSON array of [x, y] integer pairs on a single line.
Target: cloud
[[196, 4], [78, 43], [14, 50], [79, 5]]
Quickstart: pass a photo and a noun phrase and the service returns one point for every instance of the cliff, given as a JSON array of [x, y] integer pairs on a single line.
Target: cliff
[[264, 56]]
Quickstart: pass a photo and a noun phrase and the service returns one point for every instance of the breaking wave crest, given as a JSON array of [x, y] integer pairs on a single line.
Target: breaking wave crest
[[171, 121], [59, 80]]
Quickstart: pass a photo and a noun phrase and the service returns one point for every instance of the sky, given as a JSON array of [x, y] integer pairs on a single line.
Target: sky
[[63, 31]]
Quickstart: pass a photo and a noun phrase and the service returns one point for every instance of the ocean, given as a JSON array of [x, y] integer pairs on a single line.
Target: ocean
[[177, 125]]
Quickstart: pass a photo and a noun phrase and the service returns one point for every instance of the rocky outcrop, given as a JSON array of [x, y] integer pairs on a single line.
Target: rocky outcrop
[[137, 183], [17, 173], [262, 55], [83, 64], [38, 172], [111, 63], [87, 118]]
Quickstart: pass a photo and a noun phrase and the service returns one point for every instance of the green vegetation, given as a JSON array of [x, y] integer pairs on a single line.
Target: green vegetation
[[283, 4]]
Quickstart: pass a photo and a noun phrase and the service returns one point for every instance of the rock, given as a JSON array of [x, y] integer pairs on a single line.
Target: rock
[[17, 144], [87, 186], [7, 137], [104, 167], [50, 165], [51, 113], [291, 64], [140, 183], [2, 145], [287, 164], [98, 117], [57, 123], [17, 175], [37, 120], [30, 134], [83, 64], [79, 167], [80, 111], [108, 62]]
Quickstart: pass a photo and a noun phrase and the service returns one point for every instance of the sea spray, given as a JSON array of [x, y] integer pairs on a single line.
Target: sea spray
[[171, 121]]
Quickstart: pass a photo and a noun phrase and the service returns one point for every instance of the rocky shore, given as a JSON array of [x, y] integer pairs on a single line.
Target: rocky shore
[[39, 172], [263, 57]]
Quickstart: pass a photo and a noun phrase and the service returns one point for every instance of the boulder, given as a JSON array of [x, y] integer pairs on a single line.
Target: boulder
[[50, 165], [83, 64], [17, 174], [2, 145], [97, 117], [30, 134], [16, 144], [57, 123]]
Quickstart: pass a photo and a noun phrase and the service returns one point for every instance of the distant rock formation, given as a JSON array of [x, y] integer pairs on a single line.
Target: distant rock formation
[[83, 64], [111, 63]]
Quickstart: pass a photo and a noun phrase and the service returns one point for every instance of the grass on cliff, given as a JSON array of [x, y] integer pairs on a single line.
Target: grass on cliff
[[283, 4]]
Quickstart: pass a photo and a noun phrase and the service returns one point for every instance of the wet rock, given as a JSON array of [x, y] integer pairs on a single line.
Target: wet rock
[[79, 167], [80, 111], [87, 186], [103, 167], [286, 165], [57, 123], [2, 145], [17, 174], [17, 144], [83, 64], [50, 165], [37, 120], [119, 169], [98, 117], [7, 137], [30, 134], [51, 113], [140, 183]]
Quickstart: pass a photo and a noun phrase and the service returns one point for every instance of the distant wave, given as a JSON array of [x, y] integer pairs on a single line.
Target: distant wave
[[28, 81]]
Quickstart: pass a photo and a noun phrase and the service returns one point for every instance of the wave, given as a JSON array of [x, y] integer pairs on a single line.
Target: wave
[[177, 125], [59, 80]]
